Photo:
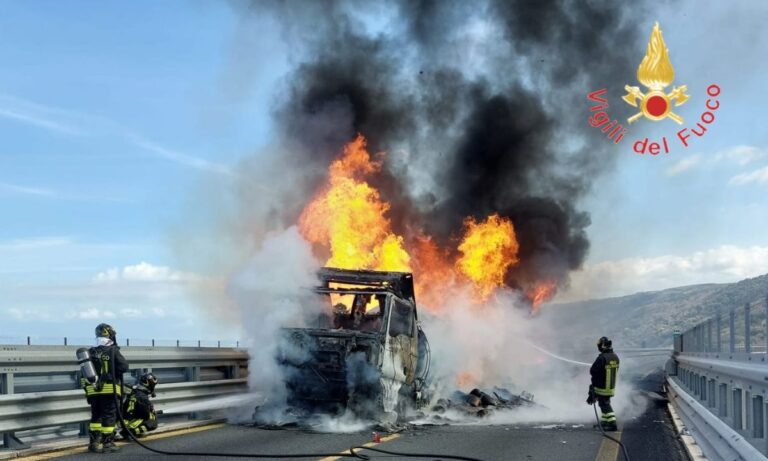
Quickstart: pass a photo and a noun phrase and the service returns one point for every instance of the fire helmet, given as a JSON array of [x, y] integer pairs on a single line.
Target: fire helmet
[[104, 330], [604, 344], [149, 381]]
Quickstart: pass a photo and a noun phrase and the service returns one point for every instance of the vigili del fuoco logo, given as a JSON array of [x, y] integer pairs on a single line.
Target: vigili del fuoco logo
[[655, 73]]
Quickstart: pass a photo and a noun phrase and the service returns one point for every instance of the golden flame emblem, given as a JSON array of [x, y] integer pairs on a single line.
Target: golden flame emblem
[[656, 72]]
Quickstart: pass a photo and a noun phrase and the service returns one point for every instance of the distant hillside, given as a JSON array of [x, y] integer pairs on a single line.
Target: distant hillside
[[651, 317]]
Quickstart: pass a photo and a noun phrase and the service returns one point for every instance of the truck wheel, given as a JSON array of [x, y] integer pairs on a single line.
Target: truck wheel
[[405, 401]]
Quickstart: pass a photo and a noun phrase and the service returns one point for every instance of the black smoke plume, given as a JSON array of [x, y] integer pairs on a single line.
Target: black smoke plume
[[480, 106]]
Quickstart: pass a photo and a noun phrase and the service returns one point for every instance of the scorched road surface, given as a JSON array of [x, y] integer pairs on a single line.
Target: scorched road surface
[[508, 443], [502, 443], [648, 437]]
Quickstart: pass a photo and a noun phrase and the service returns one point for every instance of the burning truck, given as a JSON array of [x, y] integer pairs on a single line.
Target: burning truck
[[367, 352]]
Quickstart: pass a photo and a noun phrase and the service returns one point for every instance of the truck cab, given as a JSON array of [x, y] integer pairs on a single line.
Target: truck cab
[[366, 353]]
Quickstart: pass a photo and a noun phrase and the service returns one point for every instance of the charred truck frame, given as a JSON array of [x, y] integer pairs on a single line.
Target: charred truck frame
[[368, 355]]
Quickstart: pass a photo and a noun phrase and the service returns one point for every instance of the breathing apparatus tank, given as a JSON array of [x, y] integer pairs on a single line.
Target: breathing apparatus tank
[[86, 365]]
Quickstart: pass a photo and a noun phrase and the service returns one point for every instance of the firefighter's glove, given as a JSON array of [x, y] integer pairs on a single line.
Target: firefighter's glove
[[591, 397]]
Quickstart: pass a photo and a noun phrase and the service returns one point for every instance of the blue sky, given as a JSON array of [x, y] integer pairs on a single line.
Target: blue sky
[[113, 117]]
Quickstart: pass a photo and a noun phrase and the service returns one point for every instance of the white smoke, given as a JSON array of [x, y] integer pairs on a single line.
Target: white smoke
[[272, 292], [501, 344]]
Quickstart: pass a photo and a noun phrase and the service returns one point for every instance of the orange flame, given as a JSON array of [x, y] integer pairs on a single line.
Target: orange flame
[[488, 250], [541, 292], [349, 219], [349, 216], [466, 380], [434, 275]]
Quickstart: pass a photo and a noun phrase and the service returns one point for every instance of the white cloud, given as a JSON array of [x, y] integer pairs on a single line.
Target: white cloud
[[28, 315], [145, 272], [758, 176], [39, 121], [683, 165], [34, 243], [742, 155], [131, 312], [93, 313], [123, 313], [77, 123], [16, 189], [182, 159], [722, 264], [25, 190]]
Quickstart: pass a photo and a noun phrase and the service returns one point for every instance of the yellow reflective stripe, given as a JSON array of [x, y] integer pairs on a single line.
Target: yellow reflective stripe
[[135, 423], [605, 392], [107, 388], [107, 429], [94, 426]]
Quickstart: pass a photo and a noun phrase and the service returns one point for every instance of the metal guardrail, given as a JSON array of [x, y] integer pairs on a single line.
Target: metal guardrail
[[39, 385], [710, 432], [741, 329], [719, 380], [35, 410]]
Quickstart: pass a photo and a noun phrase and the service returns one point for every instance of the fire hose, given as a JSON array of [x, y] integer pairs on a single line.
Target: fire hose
[[623, 448], [352, 453], [594, 405]]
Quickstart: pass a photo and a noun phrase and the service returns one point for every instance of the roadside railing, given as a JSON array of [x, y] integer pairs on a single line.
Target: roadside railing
[[718, 378], [741, 329], [40, 385], [128, 342]]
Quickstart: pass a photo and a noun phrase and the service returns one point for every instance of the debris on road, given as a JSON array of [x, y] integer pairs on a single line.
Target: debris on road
[[480, 404]]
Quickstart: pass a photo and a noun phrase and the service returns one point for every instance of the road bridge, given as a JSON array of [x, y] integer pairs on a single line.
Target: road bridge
[[715, 380]]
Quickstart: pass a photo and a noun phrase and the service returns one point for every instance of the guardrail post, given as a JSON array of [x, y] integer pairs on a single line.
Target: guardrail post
[[65, 340], [29, 342], [677, 341], [153, 343], [731, 328], [747, 330], [765, 329], [127, 342], [6, 383], [10, 440], [695, 338], [709, 335], [193, 374], [718, 326]]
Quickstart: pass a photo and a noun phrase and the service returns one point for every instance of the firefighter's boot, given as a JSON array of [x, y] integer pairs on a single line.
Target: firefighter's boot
[[109, 443], [609, 426], [96, 444]]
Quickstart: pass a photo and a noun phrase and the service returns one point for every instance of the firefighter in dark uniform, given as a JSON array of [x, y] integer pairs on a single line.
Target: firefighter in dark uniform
[[138, 411], [110, 366], [603, 386]]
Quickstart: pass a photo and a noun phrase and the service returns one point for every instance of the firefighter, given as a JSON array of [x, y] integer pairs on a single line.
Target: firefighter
[[603, 386], [102, 395], [138, 411]]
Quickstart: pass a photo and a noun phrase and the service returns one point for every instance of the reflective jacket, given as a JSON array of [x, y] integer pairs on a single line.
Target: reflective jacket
[[137, 405], [110, 364], [604, 372]]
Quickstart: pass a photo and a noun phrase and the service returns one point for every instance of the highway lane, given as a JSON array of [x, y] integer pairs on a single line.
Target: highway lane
[[648, 437], [509, 443]]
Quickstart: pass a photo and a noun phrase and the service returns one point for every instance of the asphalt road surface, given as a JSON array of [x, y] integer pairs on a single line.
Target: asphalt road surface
[[649, 437]]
